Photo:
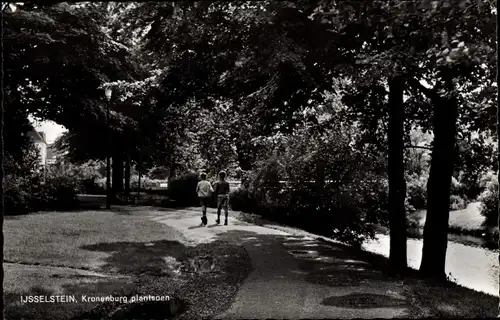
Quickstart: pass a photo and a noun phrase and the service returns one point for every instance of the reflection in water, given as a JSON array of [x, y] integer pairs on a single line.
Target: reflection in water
[[473, 267]]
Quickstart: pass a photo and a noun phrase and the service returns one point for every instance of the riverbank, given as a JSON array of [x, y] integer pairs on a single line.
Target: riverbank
[[429, 298], [465, 226]]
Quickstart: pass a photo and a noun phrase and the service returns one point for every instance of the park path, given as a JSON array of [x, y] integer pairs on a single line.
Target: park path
[[295, 276]]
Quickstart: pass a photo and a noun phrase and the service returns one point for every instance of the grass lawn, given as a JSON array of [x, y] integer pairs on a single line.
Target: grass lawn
[[57, 238], [469, 218], [99, 253]]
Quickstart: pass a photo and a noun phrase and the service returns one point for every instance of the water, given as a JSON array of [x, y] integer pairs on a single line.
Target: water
[[473, 267]]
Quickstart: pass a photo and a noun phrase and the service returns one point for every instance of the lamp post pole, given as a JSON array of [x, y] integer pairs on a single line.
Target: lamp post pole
[[108, 93]]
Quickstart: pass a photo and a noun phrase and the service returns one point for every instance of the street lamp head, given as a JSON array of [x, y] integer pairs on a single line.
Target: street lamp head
[[108, 92]]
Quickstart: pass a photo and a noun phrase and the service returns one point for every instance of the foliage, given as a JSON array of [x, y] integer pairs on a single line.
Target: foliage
[[159, 173], [22, 173], [183, 190], [476, 158], [241, 200], [324, 185], [489, 207], [50, 192], [56, 58], [17, 196], [58, 192], [416, 191], [30, 188], [235, 71]]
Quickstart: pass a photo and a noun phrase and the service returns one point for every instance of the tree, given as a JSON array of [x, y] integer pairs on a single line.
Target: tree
[[56, 58], [252, 54], [423, 41], [376, 73], [454, 71]]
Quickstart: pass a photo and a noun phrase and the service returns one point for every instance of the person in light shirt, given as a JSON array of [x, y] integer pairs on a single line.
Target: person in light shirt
[[204, 190]]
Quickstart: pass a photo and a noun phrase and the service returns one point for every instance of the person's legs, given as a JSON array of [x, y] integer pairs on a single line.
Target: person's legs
[[204, 211], [219, 207], [226, 213]]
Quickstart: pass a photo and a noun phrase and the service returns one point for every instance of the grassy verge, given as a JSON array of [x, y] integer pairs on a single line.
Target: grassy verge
[[428, 298], [59, 238], [443, 299], [464, 222], [210, 294], [196, 292]]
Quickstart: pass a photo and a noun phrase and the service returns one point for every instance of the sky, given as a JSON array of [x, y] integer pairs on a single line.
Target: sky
[[52, 130]]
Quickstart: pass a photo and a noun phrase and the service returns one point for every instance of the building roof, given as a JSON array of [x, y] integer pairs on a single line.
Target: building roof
[[37, 136]]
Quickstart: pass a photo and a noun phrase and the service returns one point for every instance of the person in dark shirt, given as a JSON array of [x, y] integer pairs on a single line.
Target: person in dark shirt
[[221, 191]]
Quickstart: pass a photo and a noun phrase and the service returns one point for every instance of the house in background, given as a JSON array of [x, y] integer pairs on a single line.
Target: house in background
[[38, 138], [53, 154]]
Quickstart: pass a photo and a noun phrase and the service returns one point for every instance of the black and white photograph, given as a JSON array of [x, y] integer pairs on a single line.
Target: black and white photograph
[[308, 159]]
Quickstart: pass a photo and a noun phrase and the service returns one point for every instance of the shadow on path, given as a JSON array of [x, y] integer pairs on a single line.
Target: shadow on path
[[298, 277], [196, 227]]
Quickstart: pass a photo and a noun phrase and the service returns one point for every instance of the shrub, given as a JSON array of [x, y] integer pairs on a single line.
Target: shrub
[[59, 189], [146, 183], [457, 202], [17, 196], [53, 192], [470, 187], [183, 190], [416, 191], [61, 193], [323, 185], [22, 174], [489, 205], [241, 200], [91, 186]]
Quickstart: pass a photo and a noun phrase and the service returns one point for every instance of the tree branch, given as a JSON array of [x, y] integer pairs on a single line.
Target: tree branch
[[430, 93]]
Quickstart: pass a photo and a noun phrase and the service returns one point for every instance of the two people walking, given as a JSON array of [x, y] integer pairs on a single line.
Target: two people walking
[[221, 191]]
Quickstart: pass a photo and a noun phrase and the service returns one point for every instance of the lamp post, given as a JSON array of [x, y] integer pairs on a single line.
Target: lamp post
[[108, 92]]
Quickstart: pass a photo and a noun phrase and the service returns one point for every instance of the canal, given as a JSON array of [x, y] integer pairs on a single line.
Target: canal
[[469, 265]]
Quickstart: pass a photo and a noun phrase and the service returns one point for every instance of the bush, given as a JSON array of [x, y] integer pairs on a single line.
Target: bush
[[146, 183], [17, 196], [416, 194], [22, 174], [183, 190], [416, 191], [457, 202], [241, 200], [55, 192], [324, 186], [54, 189], [489, 205], [59, 192], [91, 186]]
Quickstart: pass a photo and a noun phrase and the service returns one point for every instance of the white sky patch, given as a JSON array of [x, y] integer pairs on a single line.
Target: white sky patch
[[425, 84], [51, 129]]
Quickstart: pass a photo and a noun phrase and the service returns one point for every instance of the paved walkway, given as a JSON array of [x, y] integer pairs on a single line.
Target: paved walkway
[[295, 277]]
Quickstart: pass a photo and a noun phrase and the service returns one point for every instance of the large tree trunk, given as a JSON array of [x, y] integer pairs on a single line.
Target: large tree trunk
[[117, 173], [438, 187], [397, 183], [127, 174], [498, 129]]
